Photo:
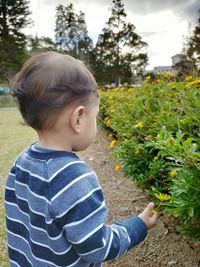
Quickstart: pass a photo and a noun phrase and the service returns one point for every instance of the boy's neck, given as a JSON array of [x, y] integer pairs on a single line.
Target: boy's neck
[[54, 146], [54, 141]]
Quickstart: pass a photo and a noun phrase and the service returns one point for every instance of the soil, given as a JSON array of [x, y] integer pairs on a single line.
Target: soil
[[163, 246]]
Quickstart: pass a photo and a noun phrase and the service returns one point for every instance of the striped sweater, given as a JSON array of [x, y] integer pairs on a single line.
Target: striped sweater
[[56, 213]]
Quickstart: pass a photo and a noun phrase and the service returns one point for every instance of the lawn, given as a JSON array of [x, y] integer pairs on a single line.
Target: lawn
[[14, 137]]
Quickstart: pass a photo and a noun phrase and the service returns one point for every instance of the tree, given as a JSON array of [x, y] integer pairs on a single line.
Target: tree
[[71, 33], [118, 48], [193, 51], [14, 16]]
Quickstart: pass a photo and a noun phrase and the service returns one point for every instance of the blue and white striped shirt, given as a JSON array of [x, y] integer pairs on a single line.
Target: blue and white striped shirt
[[56, 213]]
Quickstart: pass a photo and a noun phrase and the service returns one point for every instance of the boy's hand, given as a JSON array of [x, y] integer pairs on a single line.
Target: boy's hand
[[149, 216]]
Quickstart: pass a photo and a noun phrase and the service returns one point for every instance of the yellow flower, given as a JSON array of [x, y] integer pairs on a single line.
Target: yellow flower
[[111, 144], [147, 79], [188, 78], [106, 118], [167, 75], [137, 153], [173, 173], [139, 125], [117, 168], [155, 158], [110, 136], [169, 140], [130, 90], [195, 83], [107, 121], [162, 197]]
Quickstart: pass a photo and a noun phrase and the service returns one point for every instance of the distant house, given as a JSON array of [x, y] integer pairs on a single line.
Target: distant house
[[178, 58]]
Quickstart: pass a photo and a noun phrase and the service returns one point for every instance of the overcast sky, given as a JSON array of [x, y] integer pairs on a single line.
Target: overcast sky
[[163, 24]]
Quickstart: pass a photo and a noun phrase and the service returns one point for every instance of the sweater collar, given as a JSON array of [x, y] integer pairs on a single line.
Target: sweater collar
[[36, 151]]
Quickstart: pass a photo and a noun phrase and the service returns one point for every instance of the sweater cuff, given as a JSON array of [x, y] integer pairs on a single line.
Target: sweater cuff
[[136, 229]]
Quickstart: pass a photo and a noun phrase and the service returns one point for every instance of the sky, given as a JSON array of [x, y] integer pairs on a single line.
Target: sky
[[163, 24]]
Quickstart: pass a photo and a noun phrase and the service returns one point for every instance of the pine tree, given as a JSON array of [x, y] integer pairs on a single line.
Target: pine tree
[[117, 48], [193, 51], [65, 27], [85, 44], [14, 16], [36, 44], [71, 33], [60, 26]]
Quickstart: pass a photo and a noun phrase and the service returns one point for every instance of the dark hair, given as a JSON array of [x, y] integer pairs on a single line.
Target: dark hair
[[47, 83]]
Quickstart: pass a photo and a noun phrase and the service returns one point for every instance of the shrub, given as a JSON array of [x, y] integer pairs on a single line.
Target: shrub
[[157, 132]]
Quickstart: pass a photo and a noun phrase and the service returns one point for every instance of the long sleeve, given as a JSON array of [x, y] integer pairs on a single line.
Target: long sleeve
[[80, 210], [56, 214]]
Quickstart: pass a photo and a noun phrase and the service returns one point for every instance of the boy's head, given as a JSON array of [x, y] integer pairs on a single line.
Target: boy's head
[[48, 83]]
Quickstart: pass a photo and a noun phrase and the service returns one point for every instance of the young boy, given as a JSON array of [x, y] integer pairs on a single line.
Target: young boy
[[55, 210]]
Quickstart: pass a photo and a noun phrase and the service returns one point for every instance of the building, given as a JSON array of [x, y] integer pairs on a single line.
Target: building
[[178, 58], [163, 69], [169, 69]]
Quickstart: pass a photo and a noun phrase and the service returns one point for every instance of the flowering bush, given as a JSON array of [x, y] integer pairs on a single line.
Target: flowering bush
[[154, 130]]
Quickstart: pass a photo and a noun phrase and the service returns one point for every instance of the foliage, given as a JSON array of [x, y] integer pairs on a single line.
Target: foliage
[[117, 48], [14, 16], [71, 33], [184, 68], [156, 134]]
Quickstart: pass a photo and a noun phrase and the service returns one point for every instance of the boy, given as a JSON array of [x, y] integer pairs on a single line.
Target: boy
[[55, 210]]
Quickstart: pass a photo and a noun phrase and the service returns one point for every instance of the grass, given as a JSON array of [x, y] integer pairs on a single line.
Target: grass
[[14, 137], [6, 101]]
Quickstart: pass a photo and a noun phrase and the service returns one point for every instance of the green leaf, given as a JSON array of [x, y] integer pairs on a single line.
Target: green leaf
[[191, 211]]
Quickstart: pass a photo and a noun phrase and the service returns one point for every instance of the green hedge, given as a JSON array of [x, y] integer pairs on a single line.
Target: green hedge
[[157, 130]]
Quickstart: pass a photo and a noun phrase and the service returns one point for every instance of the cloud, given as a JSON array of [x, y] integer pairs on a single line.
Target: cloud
[[187, 9], [184, 9], [162, 24], [151, 33]]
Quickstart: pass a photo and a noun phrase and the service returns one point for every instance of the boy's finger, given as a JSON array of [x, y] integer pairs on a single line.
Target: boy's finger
[[152, 212], [149, 207], [154, 217]]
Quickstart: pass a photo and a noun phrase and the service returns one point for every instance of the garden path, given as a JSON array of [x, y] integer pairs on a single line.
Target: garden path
[[163, 247]]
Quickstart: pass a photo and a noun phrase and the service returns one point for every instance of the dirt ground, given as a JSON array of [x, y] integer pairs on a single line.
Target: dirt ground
[[163, 246]]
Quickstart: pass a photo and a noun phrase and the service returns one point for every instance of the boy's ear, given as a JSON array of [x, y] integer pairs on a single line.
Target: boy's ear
[[76, 118]]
